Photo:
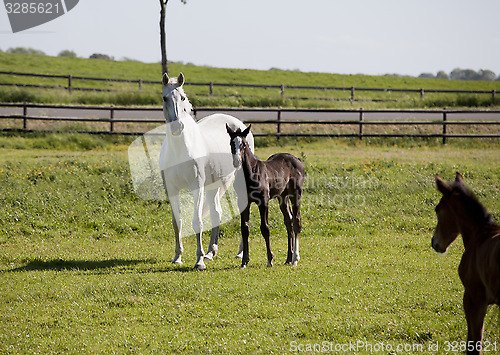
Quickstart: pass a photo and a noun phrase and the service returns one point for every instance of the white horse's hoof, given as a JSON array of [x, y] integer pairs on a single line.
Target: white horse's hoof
[[295, 263], [209, 256], [239, 256], [270, 264], [177, 261]]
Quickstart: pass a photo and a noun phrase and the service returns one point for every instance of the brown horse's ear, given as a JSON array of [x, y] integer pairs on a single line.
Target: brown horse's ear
[[246, 131], [180, 79], [442, 186], [165, 79], [458, 178]]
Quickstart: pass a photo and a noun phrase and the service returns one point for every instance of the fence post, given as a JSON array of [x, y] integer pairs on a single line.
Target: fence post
[[211, 88], [278, 124], [140, 84], [444, 125], [282, 90], [493, 94], [352, 94], [111, 117], [25, 115], [421, 93], [70, 78], [361, 124]]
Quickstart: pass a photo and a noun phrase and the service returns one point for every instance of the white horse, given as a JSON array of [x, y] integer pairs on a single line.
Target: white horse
[[195, 156]]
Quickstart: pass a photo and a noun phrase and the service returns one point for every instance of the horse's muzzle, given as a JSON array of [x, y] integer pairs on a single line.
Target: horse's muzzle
[[176, 127], [236, 162], [436, 246]]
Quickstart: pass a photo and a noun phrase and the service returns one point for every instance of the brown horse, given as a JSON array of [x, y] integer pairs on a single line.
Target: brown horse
[[460, 212], [281, 177]]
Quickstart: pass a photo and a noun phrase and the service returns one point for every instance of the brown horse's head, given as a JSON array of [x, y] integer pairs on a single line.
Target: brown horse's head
[[447, 228], [238, 143]]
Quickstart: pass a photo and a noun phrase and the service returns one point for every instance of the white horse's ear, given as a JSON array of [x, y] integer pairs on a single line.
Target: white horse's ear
[[229, 130], [180, 79], [165, 79], [442, 186], [247, 130]]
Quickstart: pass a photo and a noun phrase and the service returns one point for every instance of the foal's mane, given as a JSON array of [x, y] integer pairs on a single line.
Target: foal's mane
[[472, 204]]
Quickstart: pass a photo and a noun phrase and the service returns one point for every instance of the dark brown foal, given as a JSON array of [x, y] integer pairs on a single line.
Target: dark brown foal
[[460, 212], [280, 177]]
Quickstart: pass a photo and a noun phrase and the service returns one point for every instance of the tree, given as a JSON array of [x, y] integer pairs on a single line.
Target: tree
[[487, 75], [67, 53], [442, 75], [23, 50], [101, 56], [469, 74], [163, 36], [426, 76]]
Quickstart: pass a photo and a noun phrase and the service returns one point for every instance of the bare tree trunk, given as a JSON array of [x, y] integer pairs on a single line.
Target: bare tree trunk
[[163, 36]]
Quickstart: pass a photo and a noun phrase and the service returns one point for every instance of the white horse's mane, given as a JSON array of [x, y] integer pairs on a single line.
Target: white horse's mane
[[187, 104]]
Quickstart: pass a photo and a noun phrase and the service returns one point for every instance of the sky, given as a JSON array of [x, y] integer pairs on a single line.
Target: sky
[[332, 36]]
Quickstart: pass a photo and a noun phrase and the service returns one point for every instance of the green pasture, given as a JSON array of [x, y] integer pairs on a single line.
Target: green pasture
[[85, 264], [129, 94]]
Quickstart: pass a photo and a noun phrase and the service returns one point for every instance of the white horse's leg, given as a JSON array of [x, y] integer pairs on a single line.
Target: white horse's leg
[[177, 223], [213, 199], [175, 205], [198, 194]]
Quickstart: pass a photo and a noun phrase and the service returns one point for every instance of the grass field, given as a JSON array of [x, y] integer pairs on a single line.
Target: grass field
[[128, 94], [85, 264]]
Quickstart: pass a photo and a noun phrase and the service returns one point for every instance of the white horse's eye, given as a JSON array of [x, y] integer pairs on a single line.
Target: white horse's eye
[[183, 98]]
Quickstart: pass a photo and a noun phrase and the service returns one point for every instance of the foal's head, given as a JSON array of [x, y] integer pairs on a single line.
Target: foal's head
[[238, 143], [175, 102], [447, 227], [458, 210]]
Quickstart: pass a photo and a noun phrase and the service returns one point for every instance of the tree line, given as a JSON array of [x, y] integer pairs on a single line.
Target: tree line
[[463, 74], [456, 74]]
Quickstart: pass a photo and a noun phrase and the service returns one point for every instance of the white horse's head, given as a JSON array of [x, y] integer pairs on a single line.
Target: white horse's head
[[175, 103]]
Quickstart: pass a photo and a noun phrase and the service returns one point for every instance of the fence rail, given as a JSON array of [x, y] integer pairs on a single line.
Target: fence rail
[[68, 79], [334, 117]]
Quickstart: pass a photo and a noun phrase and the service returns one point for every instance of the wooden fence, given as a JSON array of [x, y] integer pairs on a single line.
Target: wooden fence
[[69, 79], [106, 117]]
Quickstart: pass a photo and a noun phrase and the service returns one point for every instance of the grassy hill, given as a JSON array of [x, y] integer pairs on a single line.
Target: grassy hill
[[129, 94]]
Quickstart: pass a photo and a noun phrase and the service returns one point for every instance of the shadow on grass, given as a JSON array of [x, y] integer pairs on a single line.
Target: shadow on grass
[[61, 265], [89, 265]]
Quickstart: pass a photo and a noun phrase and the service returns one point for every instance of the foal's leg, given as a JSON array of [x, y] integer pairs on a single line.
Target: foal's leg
[[245, 232], [287, 217], [215, 218], [297, 226], [198, 193], [264, 229], [475, 310]]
